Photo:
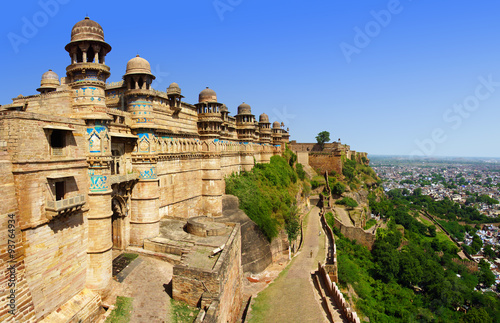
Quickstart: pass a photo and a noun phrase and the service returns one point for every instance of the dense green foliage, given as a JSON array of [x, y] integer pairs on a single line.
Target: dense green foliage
[[300, 171], [358, 174], [347, 201], [483, 198], [267, 194], [410, 275]]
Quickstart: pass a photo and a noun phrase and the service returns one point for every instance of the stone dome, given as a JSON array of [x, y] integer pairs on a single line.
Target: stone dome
[[174, 89], [50, 81], [138, 65], [223, 108], [276, 125], [87, 30], [207, 95], [50, 75], [263, 118], [244, 109]]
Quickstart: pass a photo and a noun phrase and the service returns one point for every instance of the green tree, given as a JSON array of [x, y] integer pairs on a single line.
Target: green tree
[[476, 244], [476, 315], [322, 137], [432, 230], [485, 276], [292, 223], [338, 188], [488, 251]]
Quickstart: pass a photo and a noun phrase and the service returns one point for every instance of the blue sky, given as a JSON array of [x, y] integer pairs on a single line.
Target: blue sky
[[387, 77]]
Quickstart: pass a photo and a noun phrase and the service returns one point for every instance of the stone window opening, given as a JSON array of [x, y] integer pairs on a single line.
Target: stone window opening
[[57, 142], [79, 55], [90, 55], [60, 190], [140, 83]]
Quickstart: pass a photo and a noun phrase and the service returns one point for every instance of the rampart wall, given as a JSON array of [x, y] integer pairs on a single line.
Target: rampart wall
[[218, 288], [366, 239], [326, 162]]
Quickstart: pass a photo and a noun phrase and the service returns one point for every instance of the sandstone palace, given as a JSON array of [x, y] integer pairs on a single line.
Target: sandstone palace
[[88, 166]]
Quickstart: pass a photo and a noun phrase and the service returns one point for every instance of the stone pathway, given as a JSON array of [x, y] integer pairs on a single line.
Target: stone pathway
[[147, 285], [292, 296]]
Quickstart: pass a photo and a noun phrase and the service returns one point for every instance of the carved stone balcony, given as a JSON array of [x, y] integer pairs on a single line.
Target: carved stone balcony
[[71, 204], [120, 178]]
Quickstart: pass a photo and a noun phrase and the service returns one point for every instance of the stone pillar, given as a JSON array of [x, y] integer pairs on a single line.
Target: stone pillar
[[99, 252], [212, 184], [145, 205], [145, 199], [99, 217]]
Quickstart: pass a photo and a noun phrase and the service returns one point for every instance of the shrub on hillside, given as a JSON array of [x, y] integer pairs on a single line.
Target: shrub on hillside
[[265, 193]]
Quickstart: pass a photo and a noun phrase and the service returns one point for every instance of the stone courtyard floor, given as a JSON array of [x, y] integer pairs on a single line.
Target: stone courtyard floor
[[147, 284]]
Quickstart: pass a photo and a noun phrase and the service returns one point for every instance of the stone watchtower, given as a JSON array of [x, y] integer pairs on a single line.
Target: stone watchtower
[[86, 77], [209, 128], [145, 216], [245, 126], [277, 133]]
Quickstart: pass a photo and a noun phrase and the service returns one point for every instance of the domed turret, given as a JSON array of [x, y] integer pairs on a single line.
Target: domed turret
[[263, 118], [138, 65], [88, 30], [224, 108], [276, 125], [49, 83], [244, 109], [174, 89], [207, 95]]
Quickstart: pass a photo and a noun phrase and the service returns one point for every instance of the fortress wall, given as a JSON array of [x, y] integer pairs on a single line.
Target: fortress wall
[[53, 103], [230, 275], [56, 262], [180, 187], [326, 162], [230, 163], [27, 140], [354, 233], [303, 157], [220, 286], [20, 301]]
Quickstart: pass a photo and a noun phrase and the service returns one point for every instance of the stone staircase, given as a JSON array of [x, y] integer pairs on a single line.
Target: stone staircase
[[174, 252]]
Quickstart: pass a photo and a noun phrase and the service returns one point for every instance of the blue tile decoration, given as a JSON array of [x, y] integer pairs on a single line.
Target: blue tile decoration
[[99, 183], [148, 174]]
